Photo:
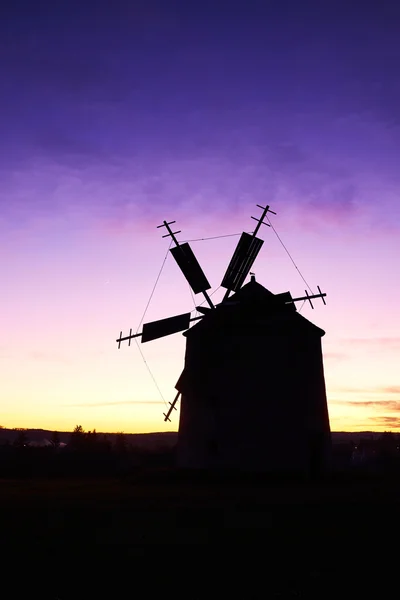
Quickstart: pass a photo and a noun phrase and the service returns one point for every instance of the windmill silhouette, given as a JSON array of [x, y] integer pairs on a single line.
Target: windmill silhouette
[[252, 389]]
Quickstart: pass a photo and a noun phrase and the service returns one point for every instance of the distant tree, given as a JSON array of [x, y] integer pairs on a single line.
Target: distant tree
[[121, 444], [22, 439], [105, 443], [55, 439], [91, 440], [92, 435], [77, 438], [387, 443]]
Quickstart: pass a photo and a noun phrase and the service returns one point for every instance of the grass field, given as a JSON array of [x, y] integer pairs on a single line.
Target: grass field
[[120, 538]]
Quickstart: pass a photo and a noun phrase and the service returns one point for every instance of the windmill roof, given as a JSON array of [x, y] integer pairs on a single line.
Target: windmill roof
[[252, 292], [252, 289], [254, 301]]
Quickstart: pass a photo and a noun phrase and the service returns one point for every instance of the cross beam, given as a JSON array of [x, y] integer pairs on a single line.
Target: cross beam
[[261, 220], [172, 407], [172, 234], [309, 298], [128, 337]]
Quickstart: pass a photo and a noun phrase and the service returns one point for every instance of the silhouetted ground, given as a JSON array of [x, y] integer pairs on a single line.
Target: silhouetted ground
[[197, 537]]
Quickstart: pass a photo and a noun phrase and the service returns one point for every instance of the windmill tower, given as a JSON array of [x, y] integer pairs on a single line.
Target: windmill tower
[[252, 391]]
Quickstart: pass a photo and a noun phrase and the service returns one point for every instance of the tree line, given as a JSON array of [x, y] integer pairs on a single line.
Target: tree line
[[86, 453]]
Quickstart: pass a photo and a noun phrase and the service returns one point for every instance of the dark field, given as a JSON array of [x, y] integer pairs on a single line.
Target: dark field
[[236, 538]]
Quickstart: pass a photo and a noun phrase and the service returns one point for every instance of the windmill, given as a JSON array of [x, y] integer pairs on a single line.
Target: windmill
[[252, 390]]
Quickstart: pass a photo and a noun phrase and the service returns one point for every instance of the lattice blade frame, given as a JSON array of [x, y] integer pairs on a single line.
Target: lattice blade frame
[[190, 267], [164, 327], [242, 260]]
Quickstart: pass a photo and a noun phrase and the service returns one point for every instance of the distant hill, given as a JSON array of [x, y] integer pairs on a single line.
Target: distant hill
[[340, 437], [140, 440], [154, 440]]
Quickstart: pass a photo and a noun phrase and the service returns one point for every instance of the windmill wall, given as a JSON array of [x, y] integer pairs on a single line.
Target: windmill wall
[[253, 393]]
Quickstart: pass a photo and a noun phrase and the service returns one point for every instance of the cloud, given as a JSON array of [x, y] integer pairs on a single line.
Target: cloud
[[391, 422], [335, 356], [382, 391], [48, 357], [366, 390], [123, 402], [371, 345], [82, 178], [393, 389], [393, 342], [122, 127], [389, 405]]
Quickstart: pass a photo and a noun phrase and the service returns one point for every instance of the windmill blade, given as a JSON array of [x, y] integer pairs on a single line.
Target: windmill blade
[[190, 267], [163, 327], [160, 328], [242, 260]]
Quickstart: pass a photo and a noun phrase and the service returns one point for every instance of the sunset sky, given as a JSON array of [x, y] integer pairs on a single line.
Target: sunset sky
[[117, 115]]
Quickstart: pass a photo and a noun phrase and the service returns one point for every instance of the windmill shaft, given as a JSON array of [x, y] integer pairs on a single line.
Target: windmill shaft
[[170, 232], [261, 220], [207, 297], [128, 337], [259, 223]]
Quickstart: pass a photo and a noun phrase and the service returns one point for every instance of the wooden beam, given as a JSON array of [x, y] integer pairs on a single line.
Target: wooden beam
[[172, 407]]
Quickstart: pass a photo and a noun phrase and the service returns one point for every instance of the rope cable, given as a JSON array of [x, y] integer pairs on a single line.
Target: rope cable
[[141, 321], [194, 300], [215, 237], [288, 253], [154, 288], [301, 307], [151, 374]]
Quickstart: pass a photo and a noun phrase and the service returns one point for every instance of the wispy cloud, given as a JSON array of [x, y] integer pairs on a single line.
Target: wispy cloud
[[382, 391], [391, 422], [392, 342], [394, 389], [120, 403], [123, 135], [390, 405], [335, 356], [49, 357], [104, 187]]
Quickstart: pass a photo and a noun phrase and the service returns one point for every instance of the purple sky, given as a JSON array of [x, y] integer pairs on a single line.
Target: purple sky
[[117, 115]]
